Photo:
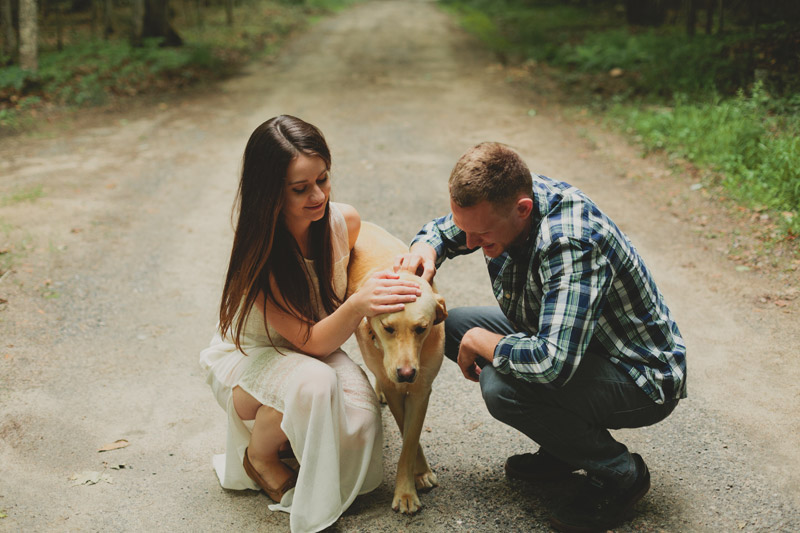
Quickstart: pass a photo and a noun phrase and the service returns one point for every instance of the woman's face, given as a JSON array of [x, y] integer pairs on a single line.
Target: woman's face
[[308, 187]]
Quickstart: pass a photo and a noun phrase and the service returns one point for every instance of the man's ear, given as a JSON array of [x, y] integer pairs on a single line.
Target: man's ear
[[441, 309], [524, 206]]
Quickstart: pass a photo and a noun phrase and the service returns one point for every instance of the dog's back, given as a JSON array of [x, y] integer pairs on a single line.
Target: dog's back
[[375, 249]]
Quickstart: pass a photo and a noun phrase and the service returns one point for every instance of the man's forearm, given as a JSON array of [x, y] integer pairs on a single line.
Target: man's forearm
[[482, 342]]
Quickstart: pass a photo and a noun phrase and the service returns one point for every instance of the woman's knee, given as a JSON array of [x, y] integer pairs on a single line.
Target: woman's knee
[[319, 382], [244, 404]]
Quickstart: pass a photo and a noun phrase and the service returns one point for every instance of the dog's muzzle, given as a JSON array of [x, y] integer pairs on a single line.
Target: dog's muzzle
[[406, 374]]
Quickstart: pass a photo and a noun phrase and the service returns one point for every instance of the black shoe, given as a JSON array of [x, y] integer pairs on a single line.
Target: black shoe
[[539, 466], [600, 507]]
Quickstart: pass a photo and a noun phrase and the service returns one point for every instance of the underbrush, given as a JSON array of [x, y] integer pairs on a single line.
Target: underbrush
[[93, 72], [726, 103], [752, 149]]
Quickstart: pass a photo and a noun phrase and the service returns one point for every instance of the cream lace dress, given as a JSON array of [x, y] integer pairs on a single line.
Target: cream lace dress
[[330, 413]]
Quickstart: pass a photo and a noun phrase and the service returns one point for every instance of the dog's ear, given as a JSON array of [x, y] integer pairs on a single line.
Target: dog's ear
[[441, 309]]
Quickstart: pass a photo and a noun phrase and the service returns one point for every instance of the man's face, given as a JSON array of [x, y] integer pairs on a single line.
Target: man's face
[[492, 227]]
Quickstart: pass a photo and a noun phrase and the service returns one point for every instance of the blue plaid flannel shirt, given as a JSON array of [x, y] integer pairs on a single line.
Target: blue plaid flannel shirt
[[577, 285]]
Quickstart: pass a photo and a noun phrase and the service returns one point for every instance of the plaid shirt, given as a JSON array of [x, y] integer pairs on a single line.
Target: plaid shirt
[[576, 285]]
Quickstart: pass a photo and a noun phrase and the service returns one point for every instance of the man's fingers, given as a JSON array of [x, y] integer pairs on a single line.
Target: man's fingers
[[427, 273], [470, 373]]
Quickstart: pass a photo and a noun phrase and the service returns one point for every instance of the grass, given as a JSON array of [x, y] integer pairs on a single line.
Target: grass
[[695, 99], [29, 194], [753, 152]]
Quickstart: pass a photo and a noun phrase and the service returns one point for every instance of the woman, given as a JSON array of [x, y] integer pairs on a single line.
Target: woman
[[275, 364]]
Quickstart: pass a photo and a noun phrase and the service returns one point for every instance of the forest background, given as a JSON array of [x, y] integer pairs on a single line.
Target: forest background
[[711, 85]]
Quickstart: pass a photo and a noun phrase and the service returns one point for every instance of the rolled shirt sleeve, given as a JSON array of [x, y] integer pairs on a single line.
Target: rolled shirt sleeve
[[445, 237]]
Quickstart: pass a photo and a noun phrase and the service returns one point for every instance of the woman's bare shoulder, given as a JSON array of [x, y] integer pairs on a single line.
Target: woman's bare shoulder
[[353, 220]]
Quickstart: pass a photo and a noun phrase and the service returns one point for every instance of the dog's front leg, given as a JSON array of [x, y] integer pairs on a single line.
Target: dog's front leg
[[414, 406], [424, 478], [405, 494]]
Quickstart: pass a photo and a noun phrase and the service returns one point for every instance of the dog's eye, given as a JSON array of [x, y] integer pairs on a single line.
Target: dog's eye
[[389, 329], [419, 330]]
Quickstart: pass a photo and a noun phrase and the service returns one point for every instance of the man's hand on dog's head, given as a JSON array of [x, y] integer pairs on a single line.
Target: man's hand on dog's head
[[420, 261]]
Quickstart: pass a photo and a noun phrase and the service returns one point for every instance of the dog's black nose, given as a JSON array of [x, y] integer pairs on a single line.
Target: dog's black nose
[[406, 374]]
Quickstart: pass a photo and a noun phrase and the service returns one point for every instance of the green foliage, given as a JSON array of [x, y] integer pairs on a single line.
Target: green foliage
[[594, 41], [697, 110], [89, 72], [525, 30], [480, 24], [756, 153]]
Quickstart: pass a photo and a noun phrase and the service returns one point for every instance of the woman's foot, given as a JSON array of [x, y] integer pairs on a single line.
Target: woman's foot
[[272, 476]]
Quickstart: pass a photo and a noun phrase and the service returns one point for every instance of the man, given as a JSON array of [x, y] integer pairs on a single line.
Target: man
[[582, 341]]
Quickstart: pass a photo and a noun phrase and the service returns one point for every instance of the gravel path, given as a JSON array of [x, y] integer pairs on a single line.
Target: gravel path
[[119, 265]]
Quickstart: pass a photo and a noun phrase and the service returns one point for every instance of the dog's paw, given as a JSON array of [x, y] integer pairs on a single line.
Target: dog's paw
[[379, 393], [426, 481], [406, 502]]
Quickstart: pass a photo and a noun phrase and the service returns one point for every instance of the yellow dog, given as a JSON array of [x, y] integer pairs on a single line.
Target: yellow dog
[[404, 351]]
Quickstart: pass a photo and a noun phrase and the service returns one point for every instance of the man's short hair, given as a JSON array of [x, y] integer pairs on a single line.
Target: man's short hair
[[489, 171]]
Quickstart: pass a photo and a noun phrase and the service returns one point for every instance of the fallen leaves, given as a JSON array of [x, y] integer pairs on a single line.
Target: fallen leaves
[[116, 445], [781, 300], [93, 477], [90, 478]]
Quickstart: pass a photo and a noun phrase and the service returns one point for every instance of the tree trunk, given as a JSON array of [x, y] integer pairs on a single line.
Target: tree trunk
[[199, 10], [691, 17], [28, 36], [9, 35], [137, 22], [94, 18], [156, 23], [709, 16], [108, 25], [645, 12], [721, 24], [754, 14], [229, 12], [60, 28]]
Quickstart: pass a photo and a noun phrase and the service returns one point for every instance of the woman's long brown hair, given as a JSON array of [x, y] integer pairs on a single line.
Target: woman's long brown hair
[[262, 244]]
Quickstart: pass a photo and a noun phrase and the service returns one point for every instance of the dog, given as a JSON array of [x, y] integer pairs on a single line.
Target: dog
[[404, 352]]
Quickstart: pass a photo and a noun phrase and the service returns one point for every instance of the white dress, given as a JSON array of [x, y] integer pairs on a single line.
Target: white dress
[[330, 413]]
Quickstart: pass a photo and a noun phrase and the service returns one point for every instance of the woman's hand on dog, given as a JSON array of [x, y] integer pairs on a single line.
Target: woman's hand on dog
[[385, 292]]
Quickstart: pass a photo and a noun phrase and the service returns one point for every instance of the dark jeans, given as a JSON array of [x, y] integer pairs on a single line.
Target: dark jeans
[[570, 422]]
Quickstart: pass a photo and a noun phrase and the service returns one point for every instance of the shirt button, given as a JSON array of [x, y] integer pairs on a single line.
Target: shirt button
[[508, 295]]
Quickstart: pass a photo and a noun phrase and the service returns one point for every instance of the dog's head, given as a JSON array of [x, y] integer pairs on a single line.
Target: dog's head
[[401, 335]]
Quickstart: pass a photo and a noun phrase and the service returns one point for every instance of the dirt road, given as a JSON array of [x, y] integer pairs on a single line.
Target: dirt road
[[118, 268]]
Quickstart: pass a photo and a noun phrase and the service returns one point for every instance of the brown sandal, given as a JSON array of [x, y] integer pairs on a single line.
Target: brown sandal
[[275, 494]]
